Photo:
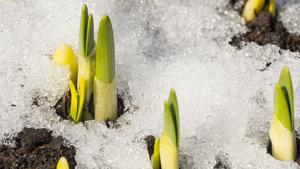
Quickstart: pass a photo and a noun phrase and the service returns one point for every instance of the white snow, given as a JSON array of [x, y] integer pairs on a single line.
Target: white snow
[[225, 95]]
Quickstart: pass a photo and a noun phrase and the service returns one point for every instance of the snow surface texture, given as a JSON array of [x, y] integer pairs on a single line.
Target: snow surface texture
[[225, 96]]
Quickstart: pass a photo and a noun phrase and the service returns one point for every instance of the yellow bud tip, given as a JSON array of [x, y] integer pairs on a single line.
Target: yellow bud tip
[[64, 55], [62, 163]]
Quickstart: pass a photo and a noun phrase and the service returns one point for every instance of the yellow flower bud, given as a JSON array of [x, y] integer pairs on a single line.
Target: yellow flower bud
[[62, 163], [64, 55]]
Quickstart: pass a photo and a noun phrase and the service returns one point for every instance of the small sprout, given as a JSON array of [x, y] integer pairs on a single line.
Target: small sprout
[[282, 132], [62, 163], [169, 142], [77, 100], [64, 55], [272, 7], [254, 7], [105, 85], [155, 158], [87, 56]]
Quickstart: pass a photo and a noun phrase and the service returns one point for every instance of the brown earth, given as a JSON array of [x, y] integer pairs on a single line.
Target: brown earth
[[265, 29], [35, 148], [62, 107]]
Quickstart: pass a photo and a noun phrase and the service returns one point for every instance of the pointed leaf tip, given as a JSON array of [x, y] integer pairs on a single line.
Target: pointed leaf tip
[[86, 32], [175, 113], [285, 82], [62, 163], [105, 56], [84, 8], [281, 109], [90, 42], [169, 124]]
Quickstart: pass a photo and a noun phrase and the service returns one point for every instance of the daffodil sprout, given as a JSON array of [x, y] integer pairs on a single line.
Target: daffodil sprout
[[64, 55], [87, 56], [254, 7], [62, 163], [282, 132], [105, 86], [155, 158], [169, 142], [77, 100]]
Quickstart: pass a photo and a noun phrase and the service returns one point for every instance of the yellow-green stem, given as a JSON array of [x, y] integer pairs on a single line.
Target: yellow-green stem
[[169, 153], [87, 69], [283, 141], [105, 100]]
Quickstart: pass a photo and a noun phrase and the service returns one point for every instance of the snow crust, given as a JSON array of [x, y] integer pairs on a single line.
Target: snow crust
[[225, 95]]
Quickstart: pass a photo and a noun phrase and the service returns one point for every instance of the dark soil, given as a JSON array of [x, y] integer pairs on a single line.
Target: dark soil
[[150, 141], [222, 161], [62, 107], [266, 29], [35, 148]]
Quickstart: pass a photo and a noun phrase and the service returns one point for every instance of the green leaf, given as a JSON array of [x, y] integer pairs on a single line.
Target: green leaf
[[105, 56], [73, 107], [281, 108], [285, 83], [81, 91], [175, 113], [171, 121], [169, 124], [156, 155], [86, 33], [90, 42], [83, 30]]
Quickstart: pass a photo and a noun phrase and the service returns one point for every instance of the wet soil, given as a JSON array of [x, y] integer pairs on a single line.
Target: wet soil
[[222, 161], [62, 107], [150, 141], [35, 148], [266, 29]]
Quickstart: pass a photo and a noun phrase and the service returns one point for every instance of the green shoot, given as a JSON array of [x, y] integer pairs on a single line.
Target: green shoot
[[105, 59], [254, 7], [171, 122], [169, 142], [77, 101], [105, 86], [87, 56], [285, 83], [86, 33], [73, 107], [281, 107], [281, 132], [155, 158]]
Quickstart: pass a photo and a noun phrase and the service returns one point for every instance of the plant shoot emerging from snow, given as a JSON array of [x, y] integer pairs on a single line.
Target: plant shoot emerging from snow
[[169, 142], [87, 56], [253, 7], [64, 55], [155, 158], [77, 100], [282, 132], [105, 86]]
